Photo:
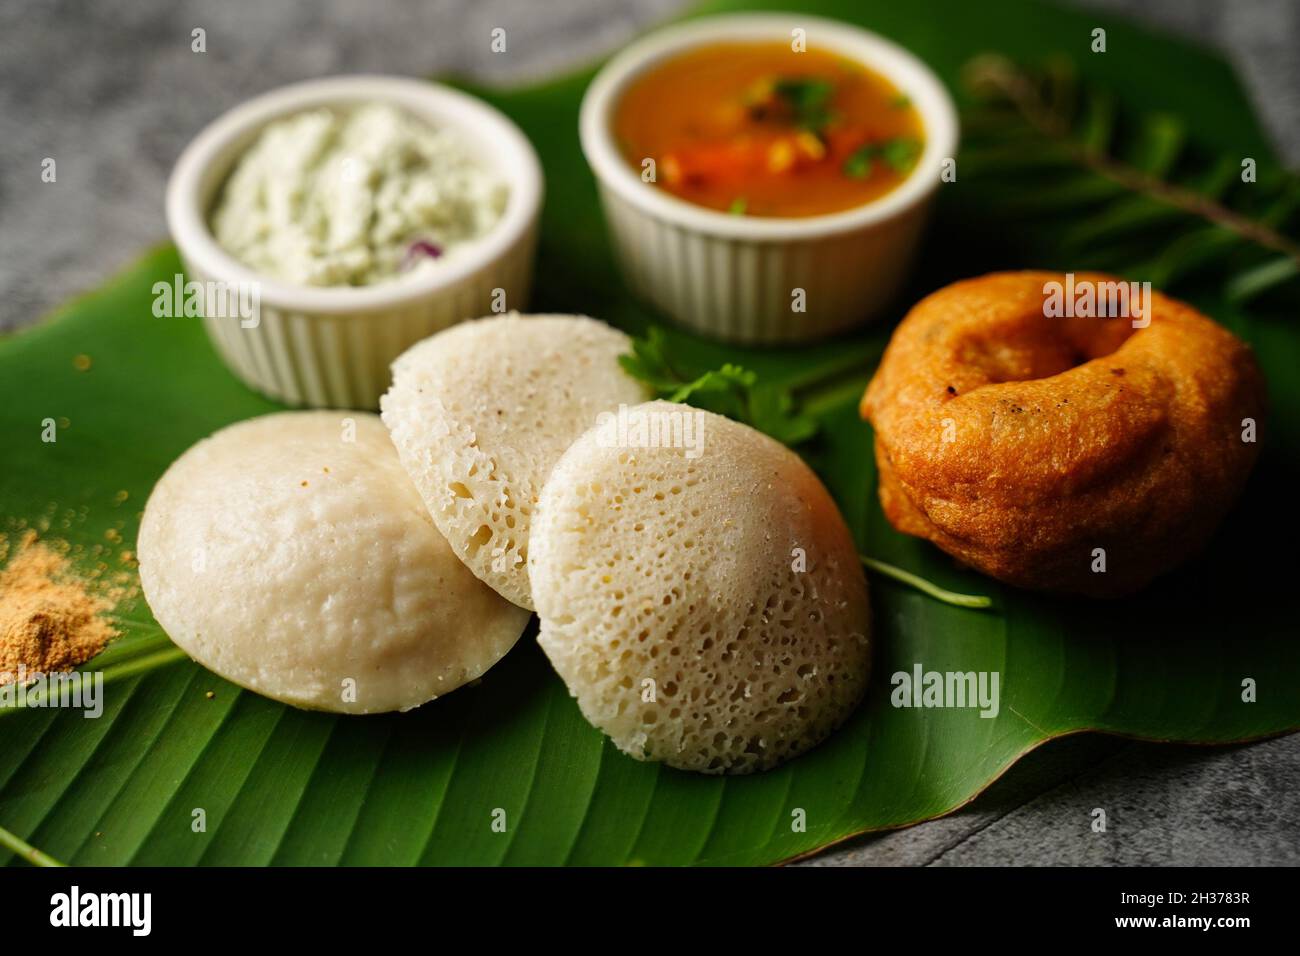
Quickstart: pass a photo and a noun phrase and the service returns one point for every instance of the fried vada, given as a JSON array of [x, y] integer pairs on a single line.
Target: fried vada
[[1076, 453]]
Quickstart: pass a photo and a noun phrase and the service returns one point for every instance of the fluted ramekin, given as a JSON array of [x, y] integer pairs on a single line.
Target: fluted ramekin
[[737, 278], [331, 346]]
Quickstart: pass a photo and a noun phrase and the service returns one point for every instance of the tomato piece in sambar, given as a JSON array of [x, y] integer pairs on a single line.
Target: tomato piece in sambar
[[762, 130]]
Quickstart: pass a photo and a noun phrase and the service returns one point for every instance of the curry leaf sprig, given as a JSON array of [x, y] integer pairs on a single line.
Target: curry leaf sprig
[[1124, 193]]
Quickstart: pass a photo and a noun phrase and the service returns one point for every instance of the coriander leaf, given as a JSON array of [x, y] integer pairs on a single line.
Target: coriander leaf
[[808, 100], [730, 390], [772, 410], [900, 152], [858, 165], [649, 363]]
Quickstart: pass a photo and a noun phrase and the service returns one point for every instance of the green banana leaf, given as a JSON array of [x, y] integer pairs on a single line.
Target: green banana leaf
[[281, 786]]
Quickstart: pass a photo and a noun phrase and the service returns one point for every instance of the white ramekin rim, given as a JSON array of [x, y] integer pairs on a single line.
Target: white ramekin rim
[[902, 68], [494, 134]]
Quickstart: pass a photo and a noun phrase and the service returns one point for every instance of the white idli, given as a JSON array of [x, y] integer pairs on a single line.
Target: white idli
[[482, 411], [291, 555], [705, 604]]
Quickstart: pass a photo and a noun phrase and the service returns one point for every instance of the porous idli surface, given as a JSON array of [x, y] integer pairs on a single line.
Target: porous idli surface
[[480, 414], [706, 606], [292, 555]]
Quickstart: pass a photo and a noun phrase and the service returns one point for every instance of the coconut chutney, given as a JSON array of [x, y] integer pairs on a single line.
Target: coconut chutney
[[354, 197]]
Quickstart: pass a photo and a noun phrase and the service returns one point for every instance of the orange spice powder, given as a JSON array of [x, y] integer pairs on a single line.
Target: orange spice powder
[[51, 618]]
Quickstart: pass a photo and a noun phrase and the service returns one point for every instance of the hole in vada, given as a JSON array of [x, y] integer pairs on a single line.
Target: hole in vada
[[1039, 347]]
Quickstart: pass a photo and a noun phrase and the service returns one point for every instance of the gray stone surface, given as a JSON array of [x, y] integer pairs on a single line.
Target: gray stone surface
[[1261, 38], [1164, 805], [112, 91]]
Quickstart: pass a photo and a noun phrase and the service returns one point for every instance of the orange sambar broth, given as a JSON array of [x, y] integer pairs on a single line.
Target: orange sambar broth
[[695, 116]]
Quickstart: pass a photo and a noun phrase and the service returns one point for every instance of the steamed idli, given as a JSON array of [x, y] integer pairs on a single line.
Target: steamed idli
[[291, 555], [482, 411], [702, 599]]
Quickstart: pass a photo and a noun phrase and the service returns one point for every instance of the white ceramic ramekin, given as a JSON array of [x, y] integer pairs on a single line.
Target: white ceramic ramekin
[[735, 277], [331, 346]]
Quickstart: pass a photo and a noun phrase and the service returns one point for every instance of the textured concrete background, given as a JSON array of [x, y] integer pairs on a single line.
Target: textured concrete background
[[112, 91]]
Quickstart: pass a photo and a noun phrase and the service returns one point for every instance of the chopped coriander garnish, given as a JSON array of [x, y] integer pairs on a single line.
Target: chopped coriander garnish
[[900, 153], [900, 102], [730, 390], [808, 100], [858, 165], [738, 206]]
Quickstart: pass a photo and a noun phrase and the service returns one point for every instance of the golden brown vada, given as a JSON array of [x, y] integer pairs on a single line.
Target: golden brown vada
[[1078, 454]]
